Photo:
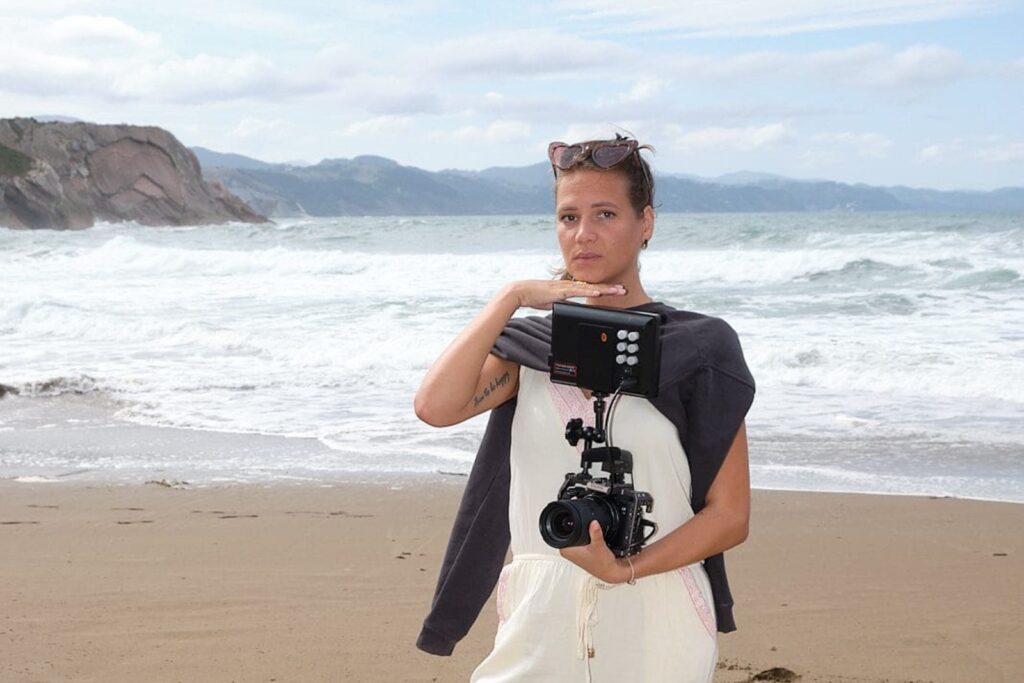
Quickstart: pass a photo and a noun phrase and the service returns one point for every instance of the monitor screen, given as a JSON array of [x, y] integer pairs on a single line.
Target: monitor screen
[[605, 349]]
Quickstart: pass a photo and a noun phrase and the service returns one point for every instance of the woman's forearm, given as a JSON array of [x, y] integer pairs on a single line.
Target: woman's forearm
[[450, 384], [722, 524], [466, 380], [708, 533]]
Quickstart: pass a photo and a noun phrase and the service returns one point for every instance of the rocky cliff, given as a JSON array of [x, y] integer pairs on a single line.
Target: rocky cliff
[[70, 175]]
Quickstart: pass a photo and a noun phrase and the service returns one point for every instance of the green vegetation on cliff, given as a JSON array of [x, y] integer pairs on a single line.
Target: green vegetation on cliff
[[13, 163]]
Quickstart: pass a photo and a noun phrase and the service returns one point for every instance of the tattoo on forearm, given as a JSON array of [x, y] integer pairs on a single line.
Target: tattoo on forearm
[[500, 381]]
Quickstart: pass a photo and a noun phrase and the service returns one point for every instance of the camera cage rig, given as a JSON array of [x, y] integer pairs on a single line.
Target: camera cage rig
[[610, 352]]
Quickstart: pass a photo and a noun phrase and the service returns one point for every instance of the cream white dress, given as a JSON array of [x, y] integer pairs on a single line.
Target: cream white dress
[[556, 621]]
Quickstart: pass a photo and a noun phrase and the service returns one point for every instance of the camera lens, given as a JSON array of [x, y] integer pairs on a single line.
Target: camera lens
[[562, 523], [566, 523]]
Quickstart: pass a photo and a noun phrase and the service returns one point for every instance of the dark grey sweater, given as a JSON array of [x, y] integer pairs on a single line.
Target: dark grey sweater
[[705, 390]]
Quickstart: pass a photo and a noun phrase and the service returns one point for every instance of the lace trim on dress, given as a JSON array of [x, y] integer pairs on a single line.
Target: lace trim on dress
[[707, 617]]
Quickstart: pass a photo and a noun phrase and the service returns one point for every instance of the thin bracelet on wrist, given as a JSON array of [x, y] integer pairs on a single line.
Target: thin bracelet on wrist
[[632, 571]]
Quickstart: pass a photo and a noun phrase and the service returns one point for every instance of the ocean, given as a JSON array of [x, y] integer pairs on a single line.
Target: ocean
[[888, 349]]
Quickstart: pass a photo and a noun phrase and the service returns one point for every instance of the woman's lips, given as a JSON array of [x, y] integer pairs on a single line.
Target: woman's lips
[[587, 256]]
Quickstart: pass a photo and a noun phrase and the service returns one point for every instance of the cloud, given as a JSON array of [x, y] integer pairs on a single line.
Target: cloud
[[383, 94], [718, 138], [644, 90], [108, 58], [521, 53], [863, 145], [379, 125], [249, 128], [989, 149], [1015, 68], [866, 66], [539, 109], [206, 78], [1006, 153], [25, 70], [736, 18], [941, 152], [916, 66], [833, 149], [723, 113], [498, 132], [341, 60], [99, 31]]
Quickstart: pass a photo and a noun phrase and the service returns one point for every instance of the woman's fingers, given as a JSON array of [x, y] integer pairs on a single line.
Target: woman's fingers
[[542, 293], [601, 289]]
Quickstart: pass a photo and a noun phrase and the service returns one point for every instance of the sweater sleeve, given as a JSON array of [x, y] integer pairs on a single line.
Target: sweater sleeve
[[706, 392], [478, 543], [715, 402]]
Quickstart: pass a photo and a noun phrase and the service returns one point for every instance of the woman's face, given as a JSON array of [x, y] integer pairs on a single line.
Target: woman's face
[[598, 229]]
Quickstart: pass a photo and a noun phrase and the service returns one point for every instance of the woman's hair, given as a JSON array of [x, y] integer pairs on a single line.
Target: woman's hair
[[634, 168]]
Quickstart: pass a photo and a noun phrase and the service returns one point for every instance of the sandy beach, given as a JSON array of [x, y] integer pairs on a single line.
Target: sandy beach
[[309, 583]]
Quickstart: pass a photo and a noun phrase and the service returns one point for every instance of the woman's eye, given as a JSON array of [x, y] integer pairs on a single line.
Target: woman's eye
[[607, 214], [568, 218]]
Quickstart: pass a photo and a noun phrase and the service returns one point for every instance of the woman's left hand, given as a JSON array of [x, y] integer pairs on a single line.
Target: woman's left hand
[[597, 558]]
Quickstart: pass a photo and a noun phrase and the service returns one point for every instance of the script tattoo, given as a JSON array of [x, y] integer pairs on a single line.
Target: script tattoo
[[490, 389]]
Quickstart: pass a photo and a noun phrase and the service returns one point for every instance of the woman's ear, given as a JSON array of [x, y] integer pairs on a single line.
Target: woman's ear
[[648, 221]]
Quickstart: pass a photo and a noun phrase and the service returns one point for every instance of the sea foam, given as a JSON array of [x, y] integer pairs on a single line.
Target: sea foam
[[900, 327]]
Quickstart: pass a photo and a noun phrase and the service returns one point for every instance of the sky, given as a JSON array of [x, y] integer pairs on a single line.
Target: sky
[[925, 93]]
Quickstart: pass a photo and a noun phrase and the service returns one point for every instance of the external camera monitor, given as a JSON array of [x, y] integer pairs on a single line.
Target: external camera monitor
[[605, 349]]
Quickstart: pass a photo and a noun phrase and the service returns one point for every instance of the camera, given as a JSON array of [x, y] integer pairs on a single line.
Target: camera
[[615, 504], [605, 350]]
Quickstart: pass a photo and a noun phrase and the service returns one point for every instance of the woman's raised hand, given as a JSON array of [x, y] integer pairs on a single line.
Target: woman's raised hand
[[542, 293], [467, 379]]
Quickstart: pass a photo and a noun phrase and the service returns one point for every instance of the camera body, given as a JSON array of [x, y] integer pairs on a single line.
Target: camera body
[[616, 506]]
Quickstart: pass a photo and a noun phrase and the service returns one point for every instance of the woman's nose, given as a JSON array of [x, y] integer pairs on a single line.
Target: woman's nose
[[586, 232]]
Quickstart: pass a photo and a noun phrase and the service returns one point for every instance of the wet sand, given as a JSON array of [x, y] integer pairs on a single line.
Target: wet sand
[[310, 583]]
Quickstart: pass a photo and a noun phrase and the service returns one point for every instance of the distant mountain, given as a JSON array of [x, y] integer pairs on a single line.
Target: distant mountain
[[1003, 199], [373, 185]]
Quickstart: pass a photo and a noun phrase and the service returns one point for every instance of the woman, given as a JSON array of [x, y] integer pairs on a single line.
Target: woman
[[581, 613]]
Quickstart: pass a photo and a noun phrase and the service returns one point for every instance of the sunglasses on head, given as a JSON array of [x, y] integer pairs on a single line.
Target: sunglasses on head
[[604, 154]]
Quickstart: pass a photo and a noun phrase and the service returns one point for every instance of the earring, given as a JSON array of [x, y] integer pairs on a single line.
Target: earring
[[644, 245]]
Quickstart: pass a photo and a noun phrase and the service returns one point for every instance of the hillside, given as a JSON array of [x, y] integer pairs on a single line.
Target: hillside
[[70, 175], [370, 185]]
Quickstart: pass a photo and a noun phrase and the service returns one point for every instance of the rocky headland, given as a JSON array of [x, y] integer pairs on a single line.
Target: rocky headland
[[70, 175]]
